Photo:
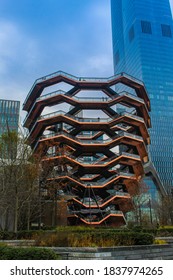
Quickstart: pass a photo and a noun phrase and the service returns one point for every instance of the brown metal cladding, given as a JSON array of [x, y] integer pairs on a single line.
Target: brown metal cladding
[[92, 163]]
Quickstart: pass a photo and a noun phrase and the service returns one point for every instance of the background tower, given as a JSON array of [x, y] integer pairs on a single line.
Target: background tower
[[9, 115], [142, 34]]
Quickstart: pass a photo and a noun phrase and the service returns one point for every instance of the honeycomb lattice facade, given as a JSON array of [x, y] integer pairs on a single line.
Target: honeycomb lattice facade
[[92, 162]]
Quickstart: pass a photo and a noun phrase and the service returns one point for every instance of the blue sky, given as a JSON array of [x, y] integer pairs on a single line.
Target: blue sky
[[39, 37]]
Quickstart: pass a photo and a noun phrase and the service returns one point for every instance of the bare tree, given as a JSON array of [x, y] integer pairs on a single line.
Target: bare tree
[[141, 200], [18, 180], [164, 210]]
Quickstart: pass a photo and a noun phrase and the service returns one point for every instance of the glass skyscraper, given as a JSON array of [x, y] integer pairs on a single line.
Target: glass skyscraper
[[9, 115], [143, 47]]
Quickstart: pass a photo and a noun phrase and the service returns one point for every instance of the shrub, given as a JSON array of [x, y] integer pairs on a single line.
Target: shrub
[[7, 235], [102, 238], [9, 253], [83, 236], [137, 228], [143, 239], [166, 227], [75, 228], [29, 234], [2, 245], [165, 231], [53, 239], [160, 242]]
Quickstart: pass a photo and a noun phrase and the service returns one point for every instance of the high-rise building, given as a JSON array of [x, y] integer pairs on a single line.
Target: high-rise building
[[143, 47], [9, 115]]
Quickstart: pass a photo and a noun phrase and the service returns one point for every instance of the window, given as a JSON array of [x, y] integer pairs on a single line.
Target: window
[[166, 30], [146, 27], [131, 34]]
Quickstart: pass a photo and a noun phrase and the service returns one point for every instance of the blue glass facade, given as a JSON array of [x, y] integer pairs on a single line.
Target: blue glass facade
[[9, 115], [143, 47]]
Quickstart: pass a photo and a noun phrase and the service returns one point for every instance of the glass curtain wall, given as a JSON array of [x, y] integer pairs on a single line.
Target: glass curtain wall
[[142, 34]]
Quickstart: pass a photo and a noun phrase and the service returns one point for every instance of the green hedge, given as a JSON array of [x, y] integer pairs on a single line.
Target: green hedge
[[94, 238], [87, 237], [143, 238], [123, 238], [9, 253]]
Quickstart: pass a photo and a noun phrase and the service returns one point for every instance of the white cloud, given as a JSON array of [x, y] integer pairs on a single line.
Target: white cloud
[[16, 48], [7, 35], [100, 65], [18, 57]]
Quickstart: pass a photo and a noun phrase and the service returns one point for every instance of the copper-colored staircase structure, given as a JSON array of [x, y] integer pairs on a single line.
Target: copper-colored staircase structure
[[92, 162]]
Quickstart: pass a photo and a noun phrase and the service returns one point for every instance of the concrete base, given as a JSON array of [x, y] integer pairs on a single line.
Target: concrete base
[[151, 252]]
